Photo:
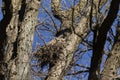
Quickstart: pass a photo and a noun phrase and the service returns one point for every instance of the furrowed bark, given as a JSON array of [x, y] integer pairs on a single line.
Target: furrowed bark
[[99, 40], [18, 37], [3, 24], [25, 39], [112, 63]]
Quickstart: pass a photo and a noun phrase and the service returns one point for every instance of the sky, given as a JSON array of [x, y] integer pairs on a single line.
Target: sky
[[86, 56], [1, 16], [47, 36]]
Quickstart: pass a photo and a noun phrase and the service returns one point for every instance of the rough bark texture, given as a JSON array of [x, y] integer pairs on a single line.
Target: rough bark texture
[[17, 27], [100, 38], [73, 34], [3, 25], [72, 38], [112, 63]]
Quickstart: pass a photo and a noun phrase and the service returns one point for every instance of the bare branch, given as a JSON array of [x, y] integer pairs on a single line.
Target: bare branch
[[78, 72]]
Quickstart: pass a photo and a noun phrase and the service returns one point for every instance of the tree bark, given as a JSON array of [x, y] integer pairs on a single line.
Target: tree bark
[[72, 39], [100, 38], [112, 63], [16, 41], [70, 33]]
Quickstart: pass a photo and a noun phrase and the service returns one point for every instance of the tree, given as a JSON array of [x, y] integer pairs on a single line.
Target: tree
[[16, 36], [62, 53], [74, 28], [112, 64], [99, 40]]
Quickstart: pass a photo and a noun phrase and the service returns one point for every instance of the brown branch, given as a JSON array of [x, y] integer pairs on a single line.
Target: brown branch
[[99, 40], [82, 66], [78, 72]]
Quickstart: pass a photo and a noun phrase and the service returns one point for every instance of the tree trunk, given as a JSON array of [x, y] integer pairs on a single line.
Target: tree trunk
[[72, 37], [100, 38], [112, 63], [17, 26], [70, 33]]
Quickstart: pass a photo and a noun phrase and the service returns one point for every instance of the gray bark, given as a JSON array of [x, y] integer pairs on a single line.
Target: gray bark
[[112, 63], [18, 38], [100, 36], [70, 33], [71, 39]]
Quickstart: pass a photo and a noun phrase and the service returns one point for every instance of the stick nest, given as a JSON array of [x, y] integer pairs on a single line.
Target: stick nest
[[49, 53]]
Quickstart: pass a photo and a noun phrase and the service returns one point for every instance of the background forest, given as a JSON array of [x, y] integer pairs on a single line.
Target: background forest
[[73, 40]]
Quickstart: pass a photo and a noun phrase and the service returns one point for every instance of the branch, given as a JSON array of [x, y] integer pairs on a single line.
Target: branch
[[55, 26], [82, 66], [99, 40], [82, 71]]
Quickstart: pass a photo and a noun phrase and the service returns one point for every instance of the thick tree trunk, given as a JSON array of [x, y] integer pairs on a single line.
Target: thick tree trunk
[[112, 63], [100, 38], [17, 37]]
